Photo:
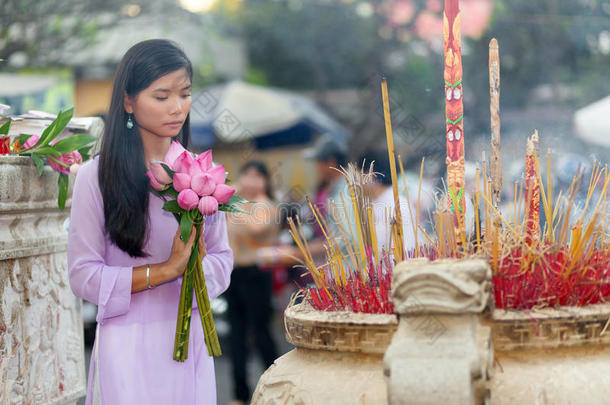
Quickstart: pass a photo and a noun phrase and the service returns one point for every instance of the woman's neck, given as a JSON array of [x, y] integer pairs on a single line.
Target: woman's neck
[[155, 147]]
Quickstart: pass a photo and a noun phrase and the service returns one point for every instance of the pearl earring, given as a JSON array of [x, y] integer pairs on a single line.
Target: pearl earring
[[129, 123]]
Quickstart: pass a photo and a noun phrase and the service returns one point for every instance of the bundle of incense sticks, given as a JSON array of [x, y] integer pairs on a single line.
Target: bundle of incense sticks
[[356, 276], [566, 263]]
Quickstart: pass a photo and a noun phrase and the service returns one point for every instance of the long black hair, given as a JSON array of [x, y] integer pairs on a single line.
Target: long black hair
[[122, 169]]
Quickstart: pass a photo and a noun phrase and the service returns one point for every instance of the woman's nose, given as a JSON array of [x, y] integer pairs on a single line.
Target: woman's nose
[[176, 106]]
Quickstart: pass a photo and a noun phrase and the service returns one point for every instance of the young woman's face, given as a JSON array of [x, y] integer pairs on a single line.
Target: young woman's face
[[162, 107]]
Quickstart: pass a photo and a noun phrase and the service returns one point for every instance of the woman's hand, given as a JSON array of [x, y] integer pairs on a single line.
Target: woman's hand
[[178, 259]]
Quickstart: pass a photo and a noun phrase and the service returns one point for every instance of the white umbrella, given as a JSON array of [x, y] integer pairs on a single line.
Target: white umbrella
[[259, 110], [592, 123]]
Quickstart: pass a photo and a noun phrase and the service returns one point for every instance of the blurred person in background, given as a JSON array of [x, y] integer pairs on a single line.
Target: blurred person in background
[[250, 293], [329, 156]]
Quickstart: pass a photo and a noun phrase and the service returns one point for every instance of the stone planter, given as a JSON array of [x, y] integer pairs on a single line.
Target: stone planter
[[41, 330], [551, 356], [337, 359]]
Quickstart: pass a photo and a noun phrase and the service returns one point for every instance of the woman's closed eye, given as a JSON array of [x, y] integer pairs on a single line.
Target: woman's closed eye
[[165, 98]]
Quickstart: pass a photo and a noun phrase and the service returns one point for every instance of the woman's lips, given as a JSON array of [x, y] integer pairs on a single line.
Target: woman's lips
[[175, 124]]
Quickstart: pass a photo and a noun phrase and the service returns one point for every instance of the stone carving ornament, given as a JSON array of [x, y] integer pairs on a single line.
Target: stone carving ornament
[[441, 353]]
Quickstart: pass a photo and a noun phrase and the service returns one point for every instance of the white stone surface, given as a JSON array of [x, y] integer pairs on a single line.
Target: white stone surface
[[41, 331]]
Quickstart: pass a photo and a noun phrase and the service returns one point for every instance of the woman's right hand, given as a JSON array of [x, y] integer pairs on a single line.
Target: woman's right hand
[[176, 264]]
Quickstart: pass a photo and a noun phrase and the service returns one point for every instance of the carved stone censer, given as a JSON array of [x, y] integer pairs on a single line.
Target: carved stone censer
[[338, 359], [449, 347]]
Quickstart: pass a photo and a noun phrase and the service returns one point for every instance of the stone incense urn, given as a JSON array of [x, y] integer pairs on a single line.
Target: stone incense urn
[[449, 346], [41, 327], [338, 359], [552, 356]]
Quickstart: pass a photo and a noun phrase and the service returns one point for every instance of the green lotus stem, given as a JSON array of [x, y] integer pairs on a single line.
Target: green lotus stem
[[205, 311], [185, 306], [194, 279]]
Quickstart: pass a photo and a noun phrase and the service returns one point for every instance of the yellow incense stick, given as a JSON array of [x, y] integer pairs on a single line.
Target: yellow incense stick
[[392, 158], [358, 232], [371, 215], [414, 221]]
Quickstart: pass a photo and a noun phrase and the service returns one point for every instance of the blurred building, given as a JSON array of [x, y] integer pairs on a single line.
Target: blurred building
[[214, 52]]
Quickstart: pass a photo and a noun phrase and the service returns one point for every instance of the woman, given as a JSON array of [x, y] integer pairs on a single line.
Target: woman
[[125, 253], [250, 293]]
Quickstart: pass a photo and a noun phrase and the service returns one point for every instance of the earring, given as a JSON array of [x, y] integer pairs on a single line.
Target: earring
[[129, 123]]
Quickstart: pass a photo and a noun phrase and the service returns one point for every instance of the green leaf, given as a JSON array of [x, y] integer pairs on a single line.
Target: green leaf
[[165, 167], [45, 133], [172, 206], [62, 182], [230, 208], [5, 127], [84, 152], [46, 150], [39, 164], [186, 224], [54, 129], [235, 199], [172, 192], [23, 138], [73, 142]]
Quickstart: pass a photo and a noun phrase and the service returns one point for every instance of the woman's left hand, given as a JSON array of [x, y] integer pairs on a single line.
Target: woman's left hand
[[201, 243]]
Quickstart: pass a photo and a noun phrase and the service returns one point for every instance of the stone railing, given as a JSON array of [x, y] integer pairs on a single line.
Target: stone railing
[[41, 329]]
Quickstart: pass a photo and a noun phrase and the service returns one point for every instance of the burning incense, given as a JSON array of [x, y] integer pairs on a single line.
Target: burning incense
[[454, 111], [532, 187], [392, 157], [494, 109]]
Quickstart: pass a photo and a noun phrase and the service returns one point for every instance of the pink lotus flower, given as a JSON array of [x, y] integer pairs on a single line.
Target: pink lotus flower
[[188, 199], [68, 159], [205, 160], [223, 193], [185, 163], [175, 150], [159, 172], [203, 184], [219, 174], [153, 181], [208, 205], [182, 181], [31, 141]]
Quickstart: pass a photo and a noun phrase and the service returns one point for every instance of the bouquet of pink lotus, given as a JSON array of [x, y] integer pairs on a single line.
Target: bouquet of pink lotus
[[193, 189]]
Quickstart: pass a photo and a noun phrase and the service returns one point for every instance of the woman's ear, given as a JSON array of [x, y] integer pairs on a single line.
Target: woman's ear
[[128, 103]]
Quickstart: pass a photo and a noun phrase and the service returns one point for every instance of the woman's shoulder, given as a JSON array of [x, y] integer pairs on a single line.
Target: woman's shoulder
[[86, 177], [89, 169]]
